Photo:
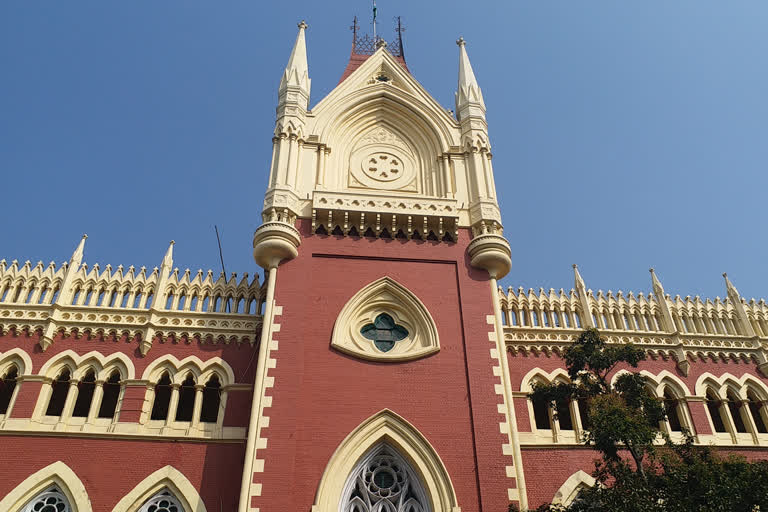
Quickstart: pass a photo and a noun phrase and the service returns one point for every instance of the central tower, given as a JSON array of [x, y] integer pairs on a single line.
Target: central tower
[[381, 336]]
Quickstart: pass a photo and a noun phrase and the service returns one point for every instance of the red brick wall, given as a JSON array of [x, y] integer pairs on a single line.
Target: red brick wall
[[111, 467], [547, 467], [321, 395]]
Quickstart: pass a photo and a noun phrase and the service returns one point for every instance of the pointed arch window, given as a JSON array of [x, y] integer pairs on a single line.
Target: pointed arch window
[[734, 405], [52, 500], [755, 407], [713, 406], [383, 481], [59, 394], [85, 389], [186, 405], [672, 407], [164, 501], [110, 396], [162, 398], [7, 385], [209, 412]]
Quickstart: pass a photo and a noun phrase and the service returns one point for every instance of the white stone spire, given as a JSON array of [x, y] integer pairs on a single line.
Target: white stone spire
[[738, 305], [77, 257], [469, 97], [581, 291], [168, 258], [661, 297], [296, 75]]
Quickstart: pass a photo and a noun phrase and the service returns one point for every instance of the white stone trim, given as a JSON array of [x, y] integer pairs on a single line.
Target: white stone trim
[[386, 426], [570, 489], [166, 477], [58, 474], [385, 295]]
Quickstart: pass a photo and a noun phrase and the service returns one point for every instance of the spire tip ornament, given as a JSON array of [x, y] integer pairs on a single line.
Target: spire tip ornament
[[302, 25], [460, 41]]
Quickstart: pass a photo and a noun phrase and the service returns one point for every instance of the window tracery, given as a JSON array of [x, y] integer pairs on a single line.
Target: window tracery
[[52, 500], [163, 501], [384, 482]]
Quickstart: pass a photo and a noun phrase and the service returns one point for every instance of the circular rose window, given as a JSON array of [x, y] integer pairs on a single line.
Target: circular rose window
[[382, 166]]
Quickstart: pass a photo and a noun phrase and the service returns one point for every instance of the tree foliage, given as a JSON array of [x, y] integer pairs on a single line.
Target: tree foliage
[[635, 472]]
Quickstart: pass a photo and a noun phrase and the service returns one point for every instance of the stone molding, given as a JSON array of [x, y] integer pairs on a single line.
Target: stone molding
[[387, 296]]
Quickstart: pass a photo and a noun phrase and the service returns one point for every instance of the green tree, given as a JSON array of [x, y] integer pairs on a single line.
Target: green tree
[[635, 473]]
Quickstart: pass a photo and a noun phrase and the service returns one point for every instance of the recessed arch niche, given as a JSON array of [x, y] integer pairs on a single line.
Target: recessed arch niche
[[385, 303]]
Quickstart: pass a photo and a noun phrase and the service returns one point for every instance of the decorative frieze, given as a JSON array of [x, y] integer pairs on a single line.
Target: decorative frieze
[[74, 299]]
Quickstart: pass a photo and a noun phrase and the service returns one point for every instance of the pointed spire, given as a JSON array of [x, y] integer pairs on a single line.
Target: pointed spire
[[297, 72], [733, 293], [741, 310], [661, 298], [578, 281], [168, 258], [468, 92], [658, 289], [581, 291], [77, 256]]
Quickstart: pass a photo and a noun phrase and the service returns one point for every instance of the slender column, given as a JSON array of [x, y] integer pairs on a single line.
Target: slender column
[[297, 165], [280, 159], [290, 172], [69, 405], [511, 418], [198, 406], [98, 395], [447, 185], [272, 173], [173, 404], [258, 390]]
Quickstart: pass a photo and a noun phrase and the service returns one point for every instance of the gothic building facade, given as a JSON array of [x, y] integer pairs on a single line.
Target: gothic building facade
[[378, 368]]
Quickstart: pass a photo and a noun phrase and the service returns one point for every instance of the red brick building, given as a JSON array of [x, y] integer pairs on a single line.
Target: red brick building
[[379, 368]]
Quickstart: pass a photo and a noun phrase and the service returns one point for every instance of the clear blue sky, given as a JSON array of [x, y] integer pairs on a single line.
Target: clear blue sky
[[626, 134]]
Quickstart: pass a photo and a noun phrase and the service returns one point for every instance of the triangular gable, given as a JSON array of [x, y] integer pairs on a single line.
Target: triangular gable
[[382, 61]]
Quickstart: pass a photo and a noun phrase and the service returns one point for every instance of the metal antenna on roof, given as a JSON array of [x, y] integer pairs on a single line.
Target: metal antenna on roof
[[400, 29], [374, 20], [221, 257]]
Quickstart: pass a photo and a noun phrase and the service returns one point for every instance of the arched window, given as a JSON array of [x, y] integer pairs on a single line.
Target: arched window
[[541, 413], [755, 408], [7, 385], [163, 501], [674, 413], [162, 398], [110, 396], [713, 406], [734, 405], [85, 390], [564, 415], [209, 413], [58, 394], [52, 500], [186, 399], [586, 424], [384, 481]]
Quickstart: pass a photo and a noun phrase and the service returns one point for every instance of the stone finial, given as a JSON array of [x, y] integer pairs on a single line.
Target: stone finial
[[468, 93], [460, 41], [302, 25]]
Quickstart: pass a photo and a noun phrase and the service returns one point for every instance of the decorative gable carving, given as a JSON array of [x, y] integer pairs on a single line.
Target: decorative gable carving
[[384, 321], [382, 160]]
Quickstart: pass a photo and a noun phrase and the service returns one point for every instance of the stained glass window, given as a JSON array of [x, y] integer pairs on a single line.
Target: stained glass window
[[384, 332]]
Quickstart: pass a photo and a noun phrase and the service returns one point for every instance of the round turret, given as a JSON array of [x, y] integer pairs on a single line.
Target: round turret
[[273, 242], [492, 253]]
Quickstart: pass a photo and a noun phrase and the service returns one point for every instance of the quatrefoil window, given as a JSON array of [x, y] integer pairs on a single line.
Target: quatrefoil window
[[384, 332]]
